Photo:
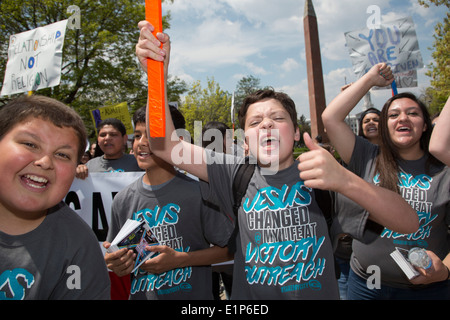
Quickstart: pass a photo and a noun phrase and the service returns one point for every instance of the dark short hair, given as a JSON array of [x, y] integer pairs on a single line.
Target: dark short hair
[[178, 119], [222, 127], [36, 106], [265, 94], [139, 116], [116, 123], [179, 122]]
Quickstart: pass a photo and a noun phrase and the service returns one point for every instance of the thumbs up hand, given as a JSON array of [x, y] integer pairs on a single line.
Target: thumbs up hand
[[318, 168]]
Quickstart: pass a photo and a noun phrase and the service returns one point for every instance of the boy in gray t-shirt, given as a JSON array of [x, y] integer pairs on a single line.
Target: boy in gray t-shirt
[[283, 247], [126, 163], [47, 251], [192, 235], [112, 138]]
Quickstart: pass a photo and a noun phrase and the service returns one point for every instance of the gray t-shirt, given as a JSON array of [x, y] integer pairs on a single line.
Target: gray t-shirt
[[283, 246], [126, 163], [59, 260], [181, 220], [427, 192]]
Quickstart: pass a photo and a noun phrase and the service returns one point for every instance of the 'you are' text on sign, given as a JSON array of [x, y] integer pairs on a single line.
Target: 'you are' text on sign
[[394, 43]]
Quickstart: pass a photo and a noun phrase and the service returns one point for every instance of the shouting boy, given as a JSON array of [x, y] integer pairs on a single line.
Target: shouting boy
[[191, 234], [283, 245]]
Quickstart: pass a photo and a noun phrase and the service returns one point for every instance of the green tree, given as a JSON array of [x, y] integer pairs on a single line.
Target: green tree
[[206, 104], [244, 87], [439, 70], [99, 66], [304, 127], [176, 88]]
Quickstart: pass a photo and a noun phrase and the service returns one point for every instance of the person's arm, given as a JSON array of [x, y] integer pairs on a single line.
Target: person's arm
[[171, 148], [169, 259], [319, 169], [339, 133], [440, 138]]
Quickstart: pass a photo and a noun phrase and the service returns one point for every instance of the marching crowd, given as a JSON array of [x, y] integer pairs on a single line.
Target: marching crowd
[[390, 190]]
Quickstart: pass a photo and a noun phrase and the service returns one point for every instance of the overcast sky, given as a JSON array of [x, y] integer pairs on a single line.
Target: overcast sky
[[229, 39]]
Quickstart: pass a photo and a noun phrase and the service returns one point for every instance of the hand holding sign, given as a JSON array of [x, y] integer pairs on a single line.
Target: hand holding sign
[[381, 75]]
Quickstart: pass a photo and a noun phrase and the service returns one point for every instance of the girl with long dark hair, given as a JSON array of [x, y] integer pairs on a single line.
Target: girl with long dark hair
[[402, 163]]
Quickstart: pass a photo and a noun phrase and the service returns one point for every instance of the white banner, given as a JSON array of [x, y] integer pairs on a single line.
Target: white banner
[[394, 43], [92, 198], [34, 59]]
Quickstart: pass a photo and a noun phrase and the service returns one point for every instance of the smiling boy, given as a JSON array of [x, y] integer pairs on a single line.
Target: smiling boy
[[112, 139], [46, 250], [192, 235]]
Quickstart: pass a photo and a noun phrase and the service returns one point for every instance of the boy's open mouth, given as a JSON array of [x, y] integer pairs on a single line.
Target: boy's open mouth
[[268, 141], [35, 181], [144, 154]]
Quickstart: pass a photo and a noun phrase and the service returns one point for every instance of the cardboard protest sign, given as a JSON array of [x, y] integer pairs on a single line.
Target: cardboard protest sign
[[155, 73], [406, 79], [118, 111], [394, 43], [34, 59]]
